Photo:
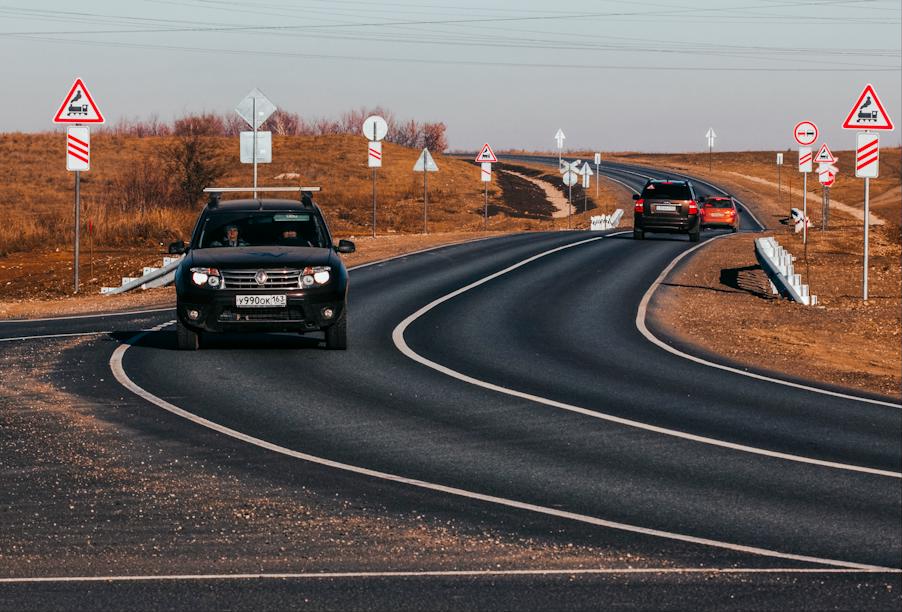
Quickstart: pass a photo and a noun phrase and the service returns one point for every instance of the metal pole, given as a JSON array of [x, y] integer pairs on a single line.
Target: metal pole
[[824, 208], [254, 106], [867, 222], [709, 155], [569, 207], [425, 201], [805, 208], [597, 180], [485, 218], [779, 184], [374, 202], [827, 207], [77, 222]]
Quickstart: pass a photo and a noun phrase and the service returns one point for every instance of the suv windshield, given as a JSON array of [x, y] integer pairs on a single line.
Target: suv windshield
[[264, 228], [669, 191]]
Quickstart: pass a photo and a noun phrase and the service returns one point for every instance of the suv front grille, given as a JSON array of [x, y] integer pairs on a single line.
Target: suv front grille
[[287, 315], [247, 279]]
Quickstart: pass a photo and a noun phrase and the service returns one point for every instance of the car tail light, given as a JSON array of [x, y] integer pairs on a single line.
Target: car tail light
[[640, 206], [693, 207]]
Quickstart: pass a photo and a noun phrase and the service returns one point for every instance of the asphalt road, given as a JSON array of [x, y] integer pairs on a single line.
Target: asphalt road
[[533, 392]]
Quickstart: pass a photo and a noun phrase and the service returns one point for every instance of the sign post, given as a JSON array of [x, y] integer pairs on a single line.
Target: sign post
[[867, 114], [805, 133], [78, 107], [425, 164], [826, 175], [375, 128], [486, 157], [255, 109]]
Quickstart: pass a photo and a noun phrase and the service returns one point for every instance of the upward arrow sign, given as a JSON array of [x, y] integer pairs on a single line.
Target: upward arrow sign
[[710, 135], [559, 137]]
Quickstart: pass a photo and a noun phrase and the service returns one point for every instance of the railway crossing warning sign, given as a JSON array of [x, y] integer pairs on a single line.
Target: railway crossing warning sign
[[486, 155], [867, 155], [868, 113], [78, 106], [824, 156], [78, 148], [805, 157]]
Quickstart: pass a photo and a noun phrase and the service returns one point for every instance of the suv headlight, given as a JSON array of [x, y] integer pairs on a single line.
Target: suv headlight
[[316, 276], [206, 277]]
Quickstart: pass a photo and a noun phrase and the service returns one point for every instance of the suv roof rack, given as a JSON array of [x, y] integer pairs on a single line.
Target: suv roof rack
[[216, 193]]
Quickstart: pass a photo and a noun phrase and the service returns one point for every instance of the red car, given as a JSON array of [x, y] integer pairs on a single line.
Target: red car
[[720, 211]]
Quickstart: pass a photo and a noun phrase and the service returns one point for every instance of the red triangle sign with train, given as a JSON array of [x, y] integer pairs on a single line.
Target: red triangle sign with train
[[78, 106], [868, 113], [825, 156], [486, 154]]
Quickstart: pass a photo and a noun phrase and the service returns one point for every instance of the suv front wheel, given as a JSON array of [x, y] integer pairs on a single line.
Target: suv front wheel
[[188, 339], [337, 334]]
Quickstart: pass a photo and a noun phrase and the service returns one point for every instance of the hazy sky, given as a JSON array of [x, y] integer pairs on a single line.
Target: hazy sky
[[648, 75]]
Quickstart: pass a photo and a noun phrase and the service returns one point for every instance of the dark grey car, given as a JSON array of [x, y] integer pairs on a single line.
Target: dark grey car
[[667, 206]]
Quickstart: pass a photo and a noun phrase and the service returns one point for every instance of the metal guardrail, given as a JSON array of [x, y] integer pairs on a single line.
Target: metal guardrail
[[154, 277], [777, 262]]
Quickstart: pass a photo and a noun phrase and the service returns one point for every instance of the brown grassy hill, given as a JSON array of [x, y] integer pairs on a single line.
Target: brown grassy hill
[[38, 210]]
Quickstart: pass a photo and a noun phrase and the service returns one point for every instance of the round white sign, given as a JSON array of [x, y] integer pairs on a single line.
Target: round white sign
[[570, 179], [805, 133], [375, 127]]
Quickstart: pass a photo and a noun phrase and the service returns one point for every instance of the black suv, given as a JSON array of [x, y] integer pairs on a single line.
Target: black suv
[[262, 265], [667, 206]]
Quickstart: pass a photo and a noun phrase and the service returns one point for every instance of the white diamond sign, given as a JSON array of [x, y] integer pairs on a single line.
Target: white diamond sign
[[255, 108]]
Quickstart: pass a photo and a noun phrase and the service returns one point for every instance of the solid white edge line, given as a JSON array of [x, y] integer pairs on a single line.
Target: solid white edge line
[[444, 574], [401, 344], [98, 315], [641, 316], [94, 333], [120, 375]]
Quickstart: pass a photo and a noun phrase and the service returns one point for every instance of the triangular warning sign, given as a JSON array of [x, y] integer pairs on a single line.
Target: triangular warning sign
[[425, 163], [486, 154], [824, 156], [78, 106], [868, 113]]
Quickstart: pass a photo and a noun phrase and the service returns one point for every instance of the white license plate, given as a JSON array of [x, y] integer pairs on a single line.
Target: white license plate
[[666, 207], [260, 301]]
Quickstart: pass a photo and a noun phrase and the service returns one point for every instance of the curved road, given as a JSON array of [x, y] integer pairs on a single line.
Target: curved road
[[533, 389]]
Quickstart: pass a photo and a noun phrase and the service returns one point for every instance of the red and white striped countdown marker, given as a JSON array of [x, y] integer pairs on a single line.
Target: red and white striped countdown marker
[[805, 159], [374, 160], [78, 149], [867, 155]]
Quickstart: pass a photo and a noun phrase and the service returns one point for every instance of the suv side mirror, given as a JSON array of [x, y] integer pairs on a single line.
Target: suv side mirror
[[177, 247], [636, 196], [345, 246]]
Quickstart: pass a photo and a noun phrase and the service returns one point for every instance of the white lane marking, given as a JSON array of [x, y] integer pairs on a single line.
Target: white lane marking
[[125, 381], [427, 250], [401, 344], [640, 324], [582, 571], [612, 179], [94, 333], [89, 316]]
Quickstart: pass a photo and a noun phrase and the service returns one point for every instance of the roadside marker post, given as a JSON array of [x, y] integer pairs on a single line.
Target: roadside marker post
[[597, 163], [425, 164], [868, 113], [78, 107], [779, 168], [826, 175], [375, 128], [255, 109], [710, 135], [570, 180]]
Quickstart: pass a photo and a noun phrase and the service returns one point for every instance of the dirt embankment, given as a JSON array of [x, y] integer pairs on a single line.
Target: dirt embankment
[[720, 299]]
